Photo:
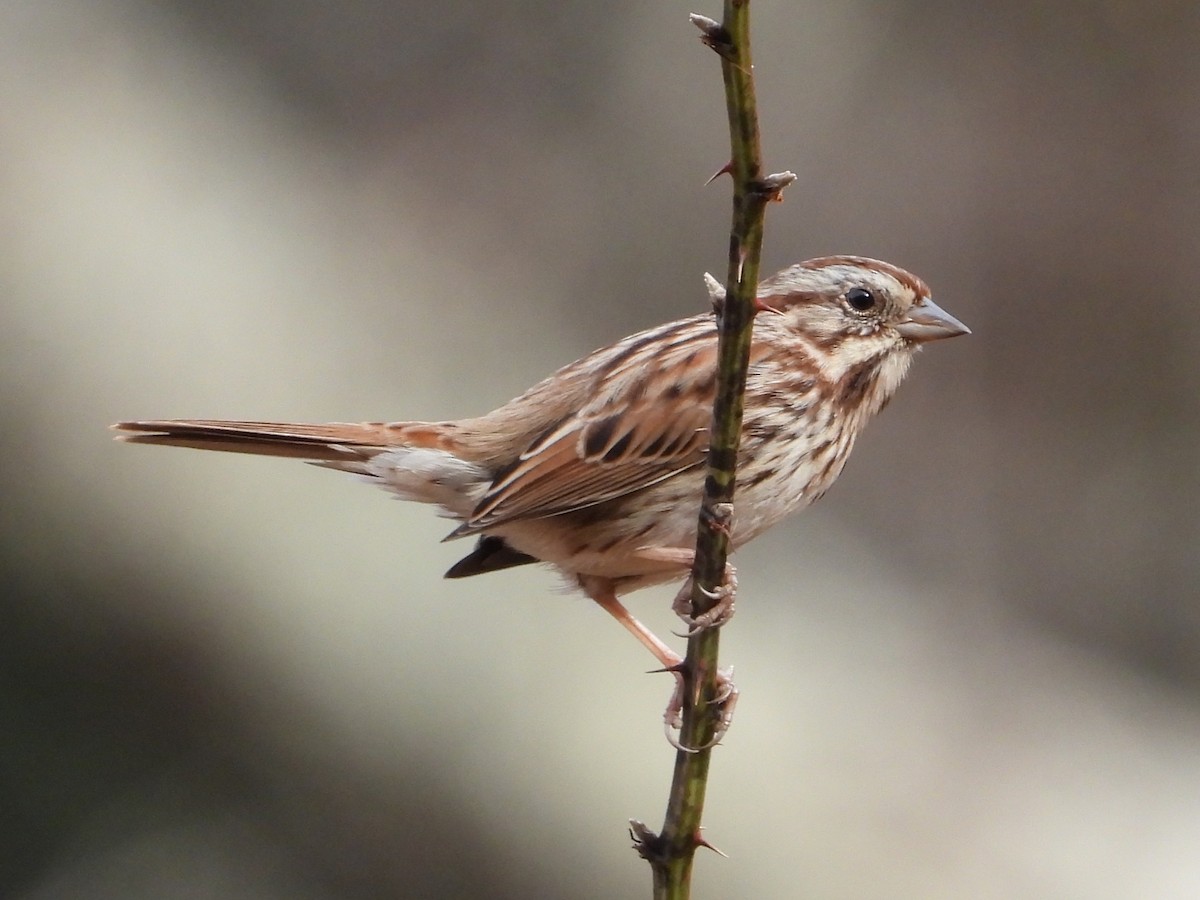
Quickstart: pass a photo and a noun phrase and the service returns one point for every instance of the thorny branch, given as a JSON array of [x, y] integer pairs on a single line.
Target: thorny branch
[[705, 695]]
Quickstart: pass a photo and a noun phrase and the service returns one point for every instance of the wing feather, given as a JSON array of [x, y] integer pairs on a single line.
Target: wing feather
[[649, 423]]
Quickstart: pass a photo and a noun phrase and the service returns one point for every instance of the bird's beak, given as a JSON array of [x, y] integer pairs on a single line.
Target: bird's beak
[[927, 321]]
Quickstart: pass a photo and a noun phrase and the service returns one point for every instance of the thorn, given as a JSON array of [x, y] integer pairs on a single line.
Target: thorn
[[719, 517], [647, 843], [713, 35], [640, 832], [771, 187], [761, 307], [726, 169], [702, 841], [716, 293], [678, 669]]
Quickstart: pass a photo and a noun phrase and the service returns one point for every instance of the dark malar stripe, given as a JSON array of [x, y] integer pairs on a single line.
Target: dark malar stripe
[[857, 382]]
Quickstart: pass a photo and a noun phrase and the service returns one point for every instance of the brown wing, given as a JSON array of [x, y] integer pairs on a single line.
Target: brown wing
[[648, 421]]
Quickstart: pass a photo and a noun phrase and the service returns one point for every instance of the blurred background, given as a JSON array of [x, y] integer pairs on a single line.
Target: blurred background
[[973, 670]]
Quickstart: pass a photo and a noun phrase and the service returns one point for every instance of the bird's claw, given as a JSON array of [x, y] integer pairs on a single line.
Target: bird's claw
[[724, 701], [718, 614]]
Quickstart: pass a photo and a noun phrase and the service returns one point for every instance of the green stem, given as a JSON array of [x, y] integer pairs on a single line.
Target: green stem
[[671, 853]]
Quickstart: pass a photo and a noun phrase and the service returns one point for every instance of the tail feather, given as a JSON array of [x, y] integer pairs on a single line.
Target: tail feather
[[418, 461], [330, 442]]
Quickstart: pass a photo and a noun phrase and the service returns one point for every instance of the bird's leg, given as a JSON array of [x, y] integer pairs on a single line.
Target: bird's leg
[[602, 591]]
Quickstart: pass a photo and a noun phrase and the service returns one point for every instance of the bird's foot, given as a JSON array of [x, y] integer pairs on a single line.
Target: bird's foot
[[723, 701], [718, 614]]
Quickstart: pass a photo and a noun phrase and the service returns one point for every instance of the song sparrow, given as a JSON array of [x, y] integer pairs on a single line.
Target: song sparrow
[[598, 470]]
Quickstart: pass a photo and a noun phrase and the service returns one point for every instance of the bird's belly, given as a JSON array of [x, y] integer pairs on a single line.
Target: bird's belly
[[609, 539], [606, 542]]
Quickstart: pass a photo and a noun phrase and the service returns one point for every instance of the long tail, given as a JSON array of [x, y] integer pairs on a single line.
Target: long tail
[[421, 461], [331, 442]]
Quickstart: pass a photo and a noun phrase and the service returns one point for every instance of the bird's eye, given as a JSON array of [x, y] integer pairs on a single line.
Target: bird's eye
[[860, 298]]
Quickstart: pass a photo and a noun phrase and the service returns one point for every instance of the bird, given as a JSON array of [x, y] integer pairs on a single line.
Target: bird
[[598, 470]]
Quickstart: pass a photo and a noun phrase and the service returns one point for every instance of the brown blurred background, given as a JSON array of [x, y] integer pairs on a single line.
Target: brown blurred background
[[973, 671]]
